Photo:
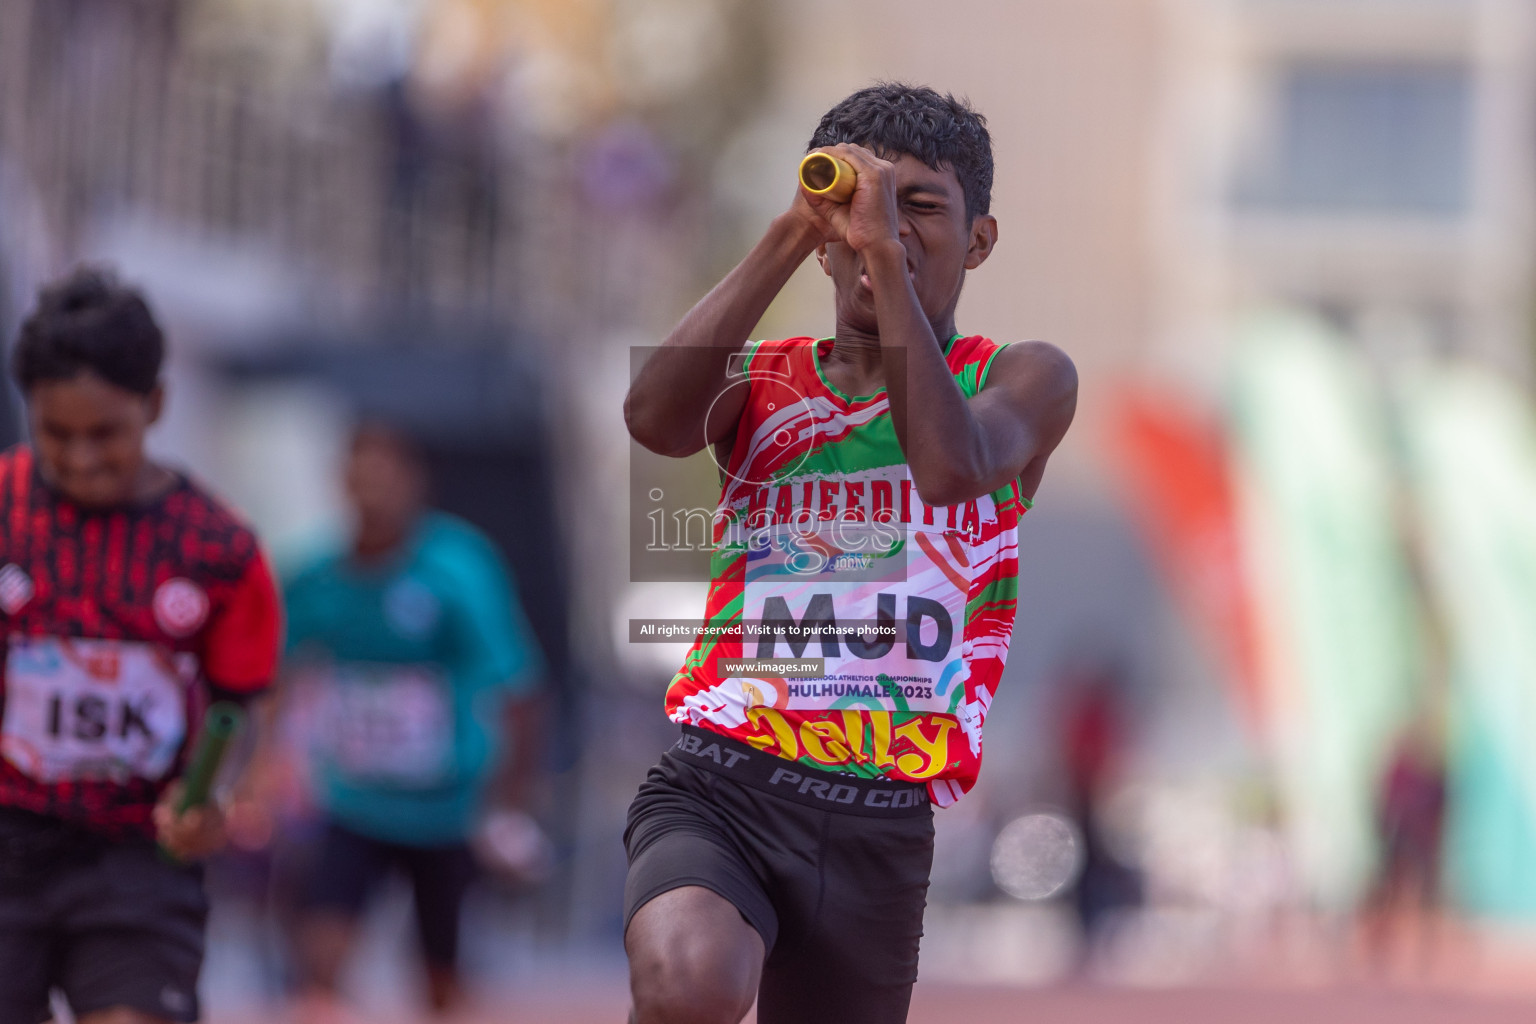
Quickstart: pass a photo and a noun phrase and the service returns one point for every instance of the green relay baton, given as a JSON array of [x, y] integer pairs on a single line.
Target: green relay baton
[[220, 725]]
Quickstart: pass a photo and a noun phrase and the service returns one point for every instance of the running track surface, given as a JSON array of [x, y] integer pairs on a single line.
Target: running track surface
[[940, 1004]]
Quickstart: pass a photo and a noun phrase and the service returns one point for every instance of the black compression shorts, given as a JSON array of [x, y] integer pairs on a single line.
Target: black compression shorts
[[351, 866], [109, 923], [832, 871]]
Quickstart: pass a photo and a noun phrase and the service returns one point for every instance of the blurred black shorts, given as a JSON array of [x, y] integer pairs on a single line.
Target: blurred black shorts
[[107, 923], [831, 871], [350, 867]]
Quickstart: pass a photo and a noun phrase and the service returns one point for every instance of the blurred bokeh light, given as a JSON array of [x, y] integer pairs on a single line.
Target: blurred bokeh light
[[1036, 856]]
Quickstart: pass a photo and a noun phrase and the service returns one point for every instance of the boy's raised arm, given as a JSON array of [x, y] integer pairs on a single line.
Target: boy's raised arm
[[674, 393]]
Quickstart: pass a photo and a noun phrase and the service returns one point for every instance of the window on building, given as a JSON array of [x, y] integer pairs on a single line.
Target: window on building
[[1363, 138]]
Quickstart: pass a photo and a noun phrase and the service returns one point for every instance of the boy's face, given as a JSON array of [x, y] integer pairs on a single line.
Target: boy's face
[[942, 243], [89, 437], [384, 486]]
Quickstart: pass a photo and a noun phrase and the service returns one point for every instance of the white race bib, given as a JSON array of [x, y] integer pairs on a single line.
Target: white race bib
[[387, 724], [78, 708], [890, 627]]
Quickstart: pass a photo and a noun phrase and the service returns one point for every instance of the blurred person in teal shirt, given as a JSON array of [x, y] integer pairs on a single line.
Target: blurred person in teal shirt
[[412, 656]]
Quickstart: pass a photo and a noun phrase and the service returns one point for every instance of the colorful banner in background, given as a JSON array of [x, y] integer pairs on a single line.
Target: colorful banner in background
[[1471, 441], [1337, 648], [1176, 465]]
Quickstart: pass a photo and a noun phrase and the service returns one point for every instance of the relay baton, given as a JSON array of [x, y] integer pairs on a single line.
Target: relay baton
[[822, 174], [219, 727]]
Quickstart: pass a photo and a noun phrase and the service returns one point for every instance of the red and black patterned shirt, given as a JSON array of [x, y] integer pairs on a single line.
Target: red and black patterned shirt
[[118, 624]]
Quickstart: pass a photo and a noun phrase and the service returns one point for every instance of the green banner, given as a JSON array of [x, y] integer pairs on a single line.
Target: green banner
[[1337, 645], [1471, 440]]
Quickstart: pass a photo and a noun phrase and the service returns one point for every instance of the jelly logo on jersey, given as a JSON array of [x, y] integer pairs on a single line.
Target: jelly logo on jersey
[[916, 747], [181, 606], [15, 588]]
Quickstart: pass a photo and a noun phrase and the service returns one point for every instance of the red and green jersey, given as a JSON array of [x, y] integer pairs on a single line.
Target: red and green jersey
[[899, 613], [119, 624]]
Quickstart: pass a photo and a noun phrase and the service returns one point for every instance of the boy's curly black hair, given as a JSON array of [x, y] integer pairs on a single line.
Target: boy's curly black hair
[[892, 118], [89, 322]]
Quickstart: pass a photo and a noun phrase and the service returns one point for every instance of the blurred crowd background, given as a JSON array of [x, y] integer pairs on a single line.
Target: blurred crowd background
[[1268, 710]]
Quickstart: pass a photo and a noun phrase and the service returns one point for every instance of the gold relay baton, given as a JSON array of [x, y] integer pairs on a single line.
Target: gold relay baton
[[822, 174]]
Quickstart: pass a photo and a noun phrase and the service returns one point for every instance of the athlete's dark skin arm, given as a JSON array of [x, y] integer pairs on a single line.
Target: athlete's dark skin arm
[[675, 391], [903, 228], [958, 448], [513, 781]]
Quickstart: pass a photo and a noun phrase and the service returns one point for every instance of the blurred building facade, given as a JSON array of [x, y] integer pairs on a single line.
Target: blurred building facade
[[1369, 160]]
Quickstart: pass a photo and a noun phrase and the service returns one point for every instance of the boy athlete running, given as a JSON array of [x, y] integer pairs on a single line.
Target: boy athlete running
[[872, 484], [413, 640], [129, 597]]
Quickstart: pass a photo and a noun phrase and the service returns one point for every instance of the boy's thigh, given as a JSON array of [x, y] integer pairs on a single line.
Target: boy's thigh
[[697, 919], [677, 836], [26, 954], [690, 950], [29, 862], [698, 925], [346, 869], [851, 955], [147, 970], [858, 972], [129, 932], [440, 879]]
